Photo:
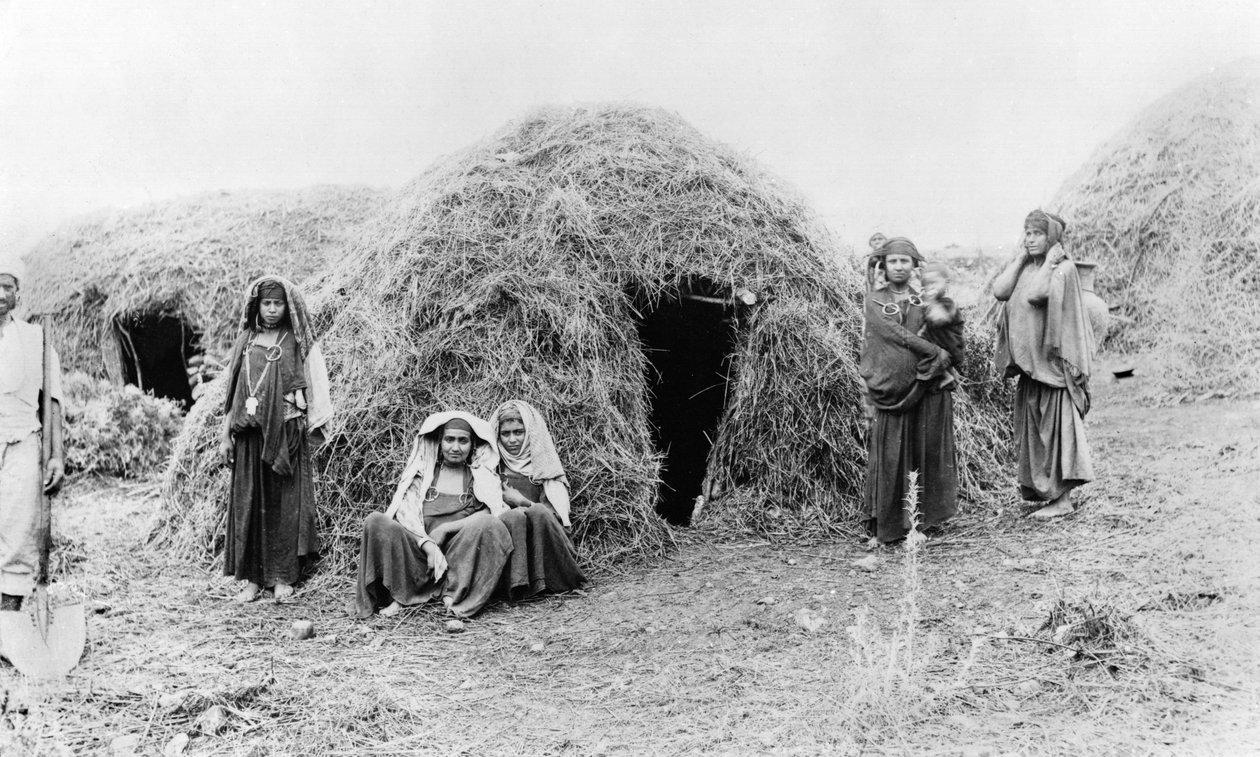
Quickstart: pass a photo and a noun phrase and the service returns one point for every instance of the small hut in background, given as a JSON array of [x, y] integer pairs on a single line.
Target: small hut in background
[[150, 295], [676, 313], [1171, 208]]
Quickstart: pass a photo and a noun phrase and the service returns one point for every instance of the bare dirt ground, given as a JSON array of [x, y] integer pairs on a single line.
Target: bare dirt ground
[[955, 649]]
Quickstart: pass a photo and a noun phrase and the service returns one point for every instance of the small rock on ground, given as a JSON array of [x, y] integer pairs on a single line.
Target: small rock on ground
[[870, 563]]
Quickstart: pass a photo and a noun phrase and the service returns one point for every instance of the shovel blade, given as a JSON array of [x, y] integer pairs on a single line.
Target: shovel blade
[[37, 655]]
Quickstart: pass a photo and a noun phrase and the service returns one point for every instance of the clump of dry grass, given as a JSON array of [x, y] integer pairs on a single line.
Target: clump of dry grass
[[518, 267], [1099, 633], [892, 681], [1171, 208], [190, 258]]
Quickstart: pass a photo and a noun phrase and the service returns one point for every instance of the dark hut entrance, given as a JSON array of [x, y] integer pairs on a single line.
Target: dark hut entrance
[[156, 349], [688, 339]]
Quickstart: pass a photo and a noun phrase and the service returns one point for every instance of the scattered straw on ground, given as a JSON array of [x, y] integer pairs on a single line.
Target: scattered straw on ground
[[758, 645]]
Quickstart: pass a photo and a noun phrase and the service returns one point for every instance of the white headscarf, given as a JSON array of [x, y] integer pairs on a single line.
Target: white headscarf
[[483, 463]]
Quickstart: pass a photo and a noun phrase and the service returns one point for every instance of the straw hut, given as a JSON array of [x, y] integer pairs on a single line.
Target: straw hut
[[677, 314], [139, 295], [1171, 209]]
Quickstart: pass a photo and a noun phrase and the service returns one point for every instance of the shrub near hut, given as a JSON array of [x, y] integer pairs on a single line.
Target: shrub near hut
[[532, 264], [116, 430]]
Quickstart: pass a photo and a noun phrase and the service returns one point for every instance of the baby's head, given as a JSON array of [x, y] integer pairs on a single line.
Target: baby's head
[[936, 277], [877, 240]]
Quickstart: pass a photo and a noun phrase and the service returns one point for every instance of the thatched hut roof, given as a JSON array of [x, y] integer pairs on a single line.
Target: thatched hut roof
[[190, 257], [1171, 207], [520, 268]]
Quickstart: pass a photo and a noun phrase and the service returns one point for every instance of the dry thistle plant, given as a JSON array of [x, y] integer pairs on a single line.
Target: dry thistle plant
[[912, 581], [889, 684]]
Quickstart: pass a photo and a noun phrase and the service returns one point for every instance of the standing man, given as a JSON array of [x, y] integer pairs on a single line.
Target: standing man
[[21, 381]]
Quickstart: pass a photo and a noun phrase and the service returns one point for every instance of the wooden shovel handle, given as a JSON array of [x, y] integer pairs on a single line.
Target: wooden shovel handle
[[45, 435]]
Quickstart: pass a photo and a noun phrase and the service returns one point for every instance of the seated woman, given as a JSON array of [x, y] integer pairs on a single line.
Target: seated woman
[[535, 487], [441, 535]]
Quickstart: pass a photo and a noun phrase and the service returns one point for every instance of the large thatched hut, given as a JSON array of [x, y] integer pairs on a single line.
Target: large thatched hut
[[1171, 208], [137, 294], [677, 314]]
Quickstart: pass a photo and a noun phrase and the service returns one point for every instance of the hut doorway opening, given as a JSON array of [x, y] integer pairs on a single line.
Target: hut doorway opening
[[688, 339], [157, 351]]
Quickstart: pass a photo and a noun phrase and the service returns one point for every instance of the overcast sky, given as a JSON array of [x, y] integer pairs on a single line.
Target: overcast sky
[[941, 121]]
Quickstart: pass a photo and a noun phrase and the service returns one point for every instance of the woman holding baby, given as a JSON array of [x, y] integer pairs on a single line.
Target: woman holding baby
[[913, 339]]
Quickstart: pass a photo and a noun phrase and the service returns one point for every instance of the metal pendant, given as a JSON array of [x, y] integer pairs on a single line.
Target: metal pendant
[[251, 405]]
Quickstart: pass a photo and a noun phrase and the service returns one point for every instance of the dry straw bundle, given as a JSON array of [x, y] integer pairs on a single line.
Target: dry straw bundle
[[517, 268], [189, 258], [1171, 207]]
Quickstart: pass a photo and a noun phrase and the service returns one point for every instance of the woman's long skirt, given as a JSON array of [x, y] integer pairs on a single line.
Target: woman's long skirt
[[392, 567], [1053, 453], [543, 557], [271, 522], [920, 439]]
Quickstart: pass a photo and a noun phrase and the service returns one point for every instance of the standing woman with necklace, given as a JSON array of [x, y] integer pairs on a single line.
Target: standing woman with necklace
[[912, 428], [1045, 340], [277, 397]]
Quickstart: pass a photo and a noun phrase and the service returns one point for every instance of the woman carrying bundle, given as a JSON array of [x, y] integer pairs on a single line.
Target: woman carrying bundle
[[909, 392], [441, 535], [535, 487], [1045, 339], [277, 397]]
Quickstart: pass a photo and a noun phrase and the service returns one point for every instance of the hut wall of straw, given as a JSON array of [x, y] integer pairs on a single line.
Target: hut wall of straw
[[189, 258], [514, 269], [1170, 208]]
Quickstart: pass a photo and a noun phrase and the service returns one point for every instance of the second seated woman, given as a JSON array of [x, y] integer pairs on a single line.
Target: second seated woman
[[537, 490], [441, 535]]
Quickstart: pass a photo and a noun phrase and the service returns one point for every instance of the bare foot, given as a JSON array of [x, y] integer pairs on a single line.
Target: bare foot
[[249, 593], [446, 600], [873, 543], [393, 609], [282, 591], [1062, 505]]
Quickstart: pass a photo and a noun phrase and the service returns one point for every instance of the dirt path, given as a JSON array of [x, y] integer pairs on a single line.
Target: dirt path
[[938, 652]]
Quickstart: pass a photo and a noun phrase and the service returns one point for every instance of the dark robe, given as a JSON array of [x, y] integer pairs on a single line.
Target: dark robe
[[1049, 347], [543, 557], [913, 425], [392, 566], [271, 521]]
